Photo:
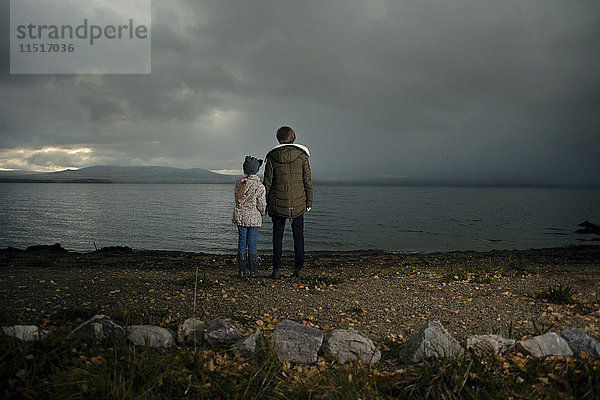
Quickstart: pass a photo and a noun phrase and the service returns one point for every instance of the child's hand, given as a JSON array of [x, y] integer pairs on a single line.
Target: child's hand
[[308, 209]]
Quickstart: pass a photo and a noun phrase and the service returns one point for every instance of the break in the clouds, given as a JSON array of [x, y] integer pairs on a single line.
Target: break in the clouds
[[476, 90]]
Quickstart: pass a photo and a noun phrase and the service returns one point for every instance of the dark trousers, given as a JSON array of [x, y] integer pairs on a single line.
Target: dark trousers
[[298, 234]]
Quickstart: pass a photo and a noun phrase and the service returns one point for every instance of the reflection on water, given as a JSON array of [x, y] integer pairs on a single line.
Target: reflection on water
[[198, 217]]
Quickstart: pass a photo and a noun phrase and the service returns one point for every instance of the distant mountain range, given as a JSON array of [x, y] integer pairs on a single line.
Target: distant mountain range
[[112, 174], [16, 172]]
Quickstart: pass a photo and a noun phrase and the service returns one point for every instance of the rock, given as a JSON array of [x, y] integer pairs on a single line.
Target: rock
[[431, 341], [588, 227], [10, 252], [25, 333], [148, 335], [496, 344], [98, 328], [115, 250], [298, 343], [191, 331], [56, 247], [548, 344], [250, 344], [580, 342], [345, 345], [218, 332]]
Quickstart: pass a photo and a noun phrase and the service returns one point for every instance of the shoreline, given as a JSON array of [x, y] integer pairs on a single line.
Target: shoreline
[[388, 296], [57, 247]]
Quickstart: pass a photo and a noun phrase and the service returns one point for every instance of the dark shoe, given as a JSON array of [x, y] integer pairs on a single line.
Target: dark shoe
[[275, 274], [253, 260], [297, 273], [242, 265]]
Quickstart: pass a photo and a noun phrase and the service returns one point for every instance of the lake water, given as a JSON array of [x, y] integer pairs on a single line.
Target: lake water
[[198, 217]]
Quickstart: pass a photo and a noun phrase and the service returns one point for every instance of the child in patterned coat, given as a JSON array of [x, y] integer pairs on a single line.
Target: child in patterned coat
[[250, 206]]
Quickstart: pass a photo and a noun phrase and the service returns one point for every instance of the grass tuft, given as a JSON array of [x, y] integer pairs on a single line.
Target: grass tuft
[[559, 294], [541, 327], [482, 272], [356, 310], [517, 266], [73, 313], [189, 282], [454, 276]]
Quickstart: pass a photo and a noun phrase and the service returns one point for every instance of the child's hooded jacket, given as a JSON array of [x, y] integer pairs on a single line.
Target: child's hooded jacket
[[252, 206]]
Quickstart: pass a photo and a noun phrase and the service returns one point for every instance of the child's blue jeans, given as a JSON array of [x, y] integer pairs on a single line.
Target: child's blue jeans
[[247, 237]]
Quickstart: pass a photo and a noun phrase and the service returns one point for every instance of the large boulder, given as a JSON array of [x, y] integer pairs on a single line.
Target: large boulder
[[495, 344], [295, 342], [98, 328], [432, 341], [548, 344], [148, 335], [25, 333], [580, 342], [247, 346], [345, 345], [191, 331], [218, 333]]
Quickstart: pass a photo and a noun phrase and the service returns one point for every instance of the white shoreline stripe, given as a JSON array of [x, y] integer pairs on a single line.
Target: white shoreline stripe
[[301, 147]]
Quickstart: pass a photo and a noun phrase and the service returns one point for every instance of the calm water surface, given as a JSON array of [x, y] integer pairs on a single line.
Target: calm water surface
[[198, 217]]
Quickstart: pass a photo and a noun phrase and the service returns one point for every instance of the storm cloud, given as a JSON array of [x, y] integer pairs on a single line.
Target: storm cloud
[[462, 90]]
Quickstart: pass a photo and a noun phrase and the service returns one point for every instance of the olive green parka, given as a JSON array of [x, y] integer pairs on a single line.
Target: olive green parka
[[287, 180]]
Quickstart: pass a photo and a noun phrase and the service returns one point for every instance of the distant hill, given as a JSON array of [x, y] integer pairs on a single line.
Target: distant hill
[[112, 174]]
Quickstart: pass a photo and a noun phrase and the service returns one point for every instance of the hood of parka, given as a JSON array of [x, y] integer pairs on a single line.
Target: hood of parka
[[287, 153]]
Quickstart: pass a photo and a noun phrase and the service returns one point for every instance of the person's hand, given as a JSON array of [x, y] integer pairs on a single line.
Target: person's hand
[[308, 209]]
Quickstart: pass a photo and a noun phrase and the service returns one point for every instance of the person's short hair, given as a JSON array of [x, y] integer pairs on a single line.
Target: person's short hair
[[285, 134]]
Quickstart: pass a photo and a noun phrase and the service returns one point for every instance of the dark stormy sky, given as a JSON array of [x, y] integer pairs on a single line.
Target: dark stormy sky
[[462, 90]]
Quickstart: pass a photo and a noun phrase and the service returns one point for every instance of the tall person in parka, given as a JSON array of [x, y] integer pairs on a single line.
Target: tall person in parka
[[289, 194]]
